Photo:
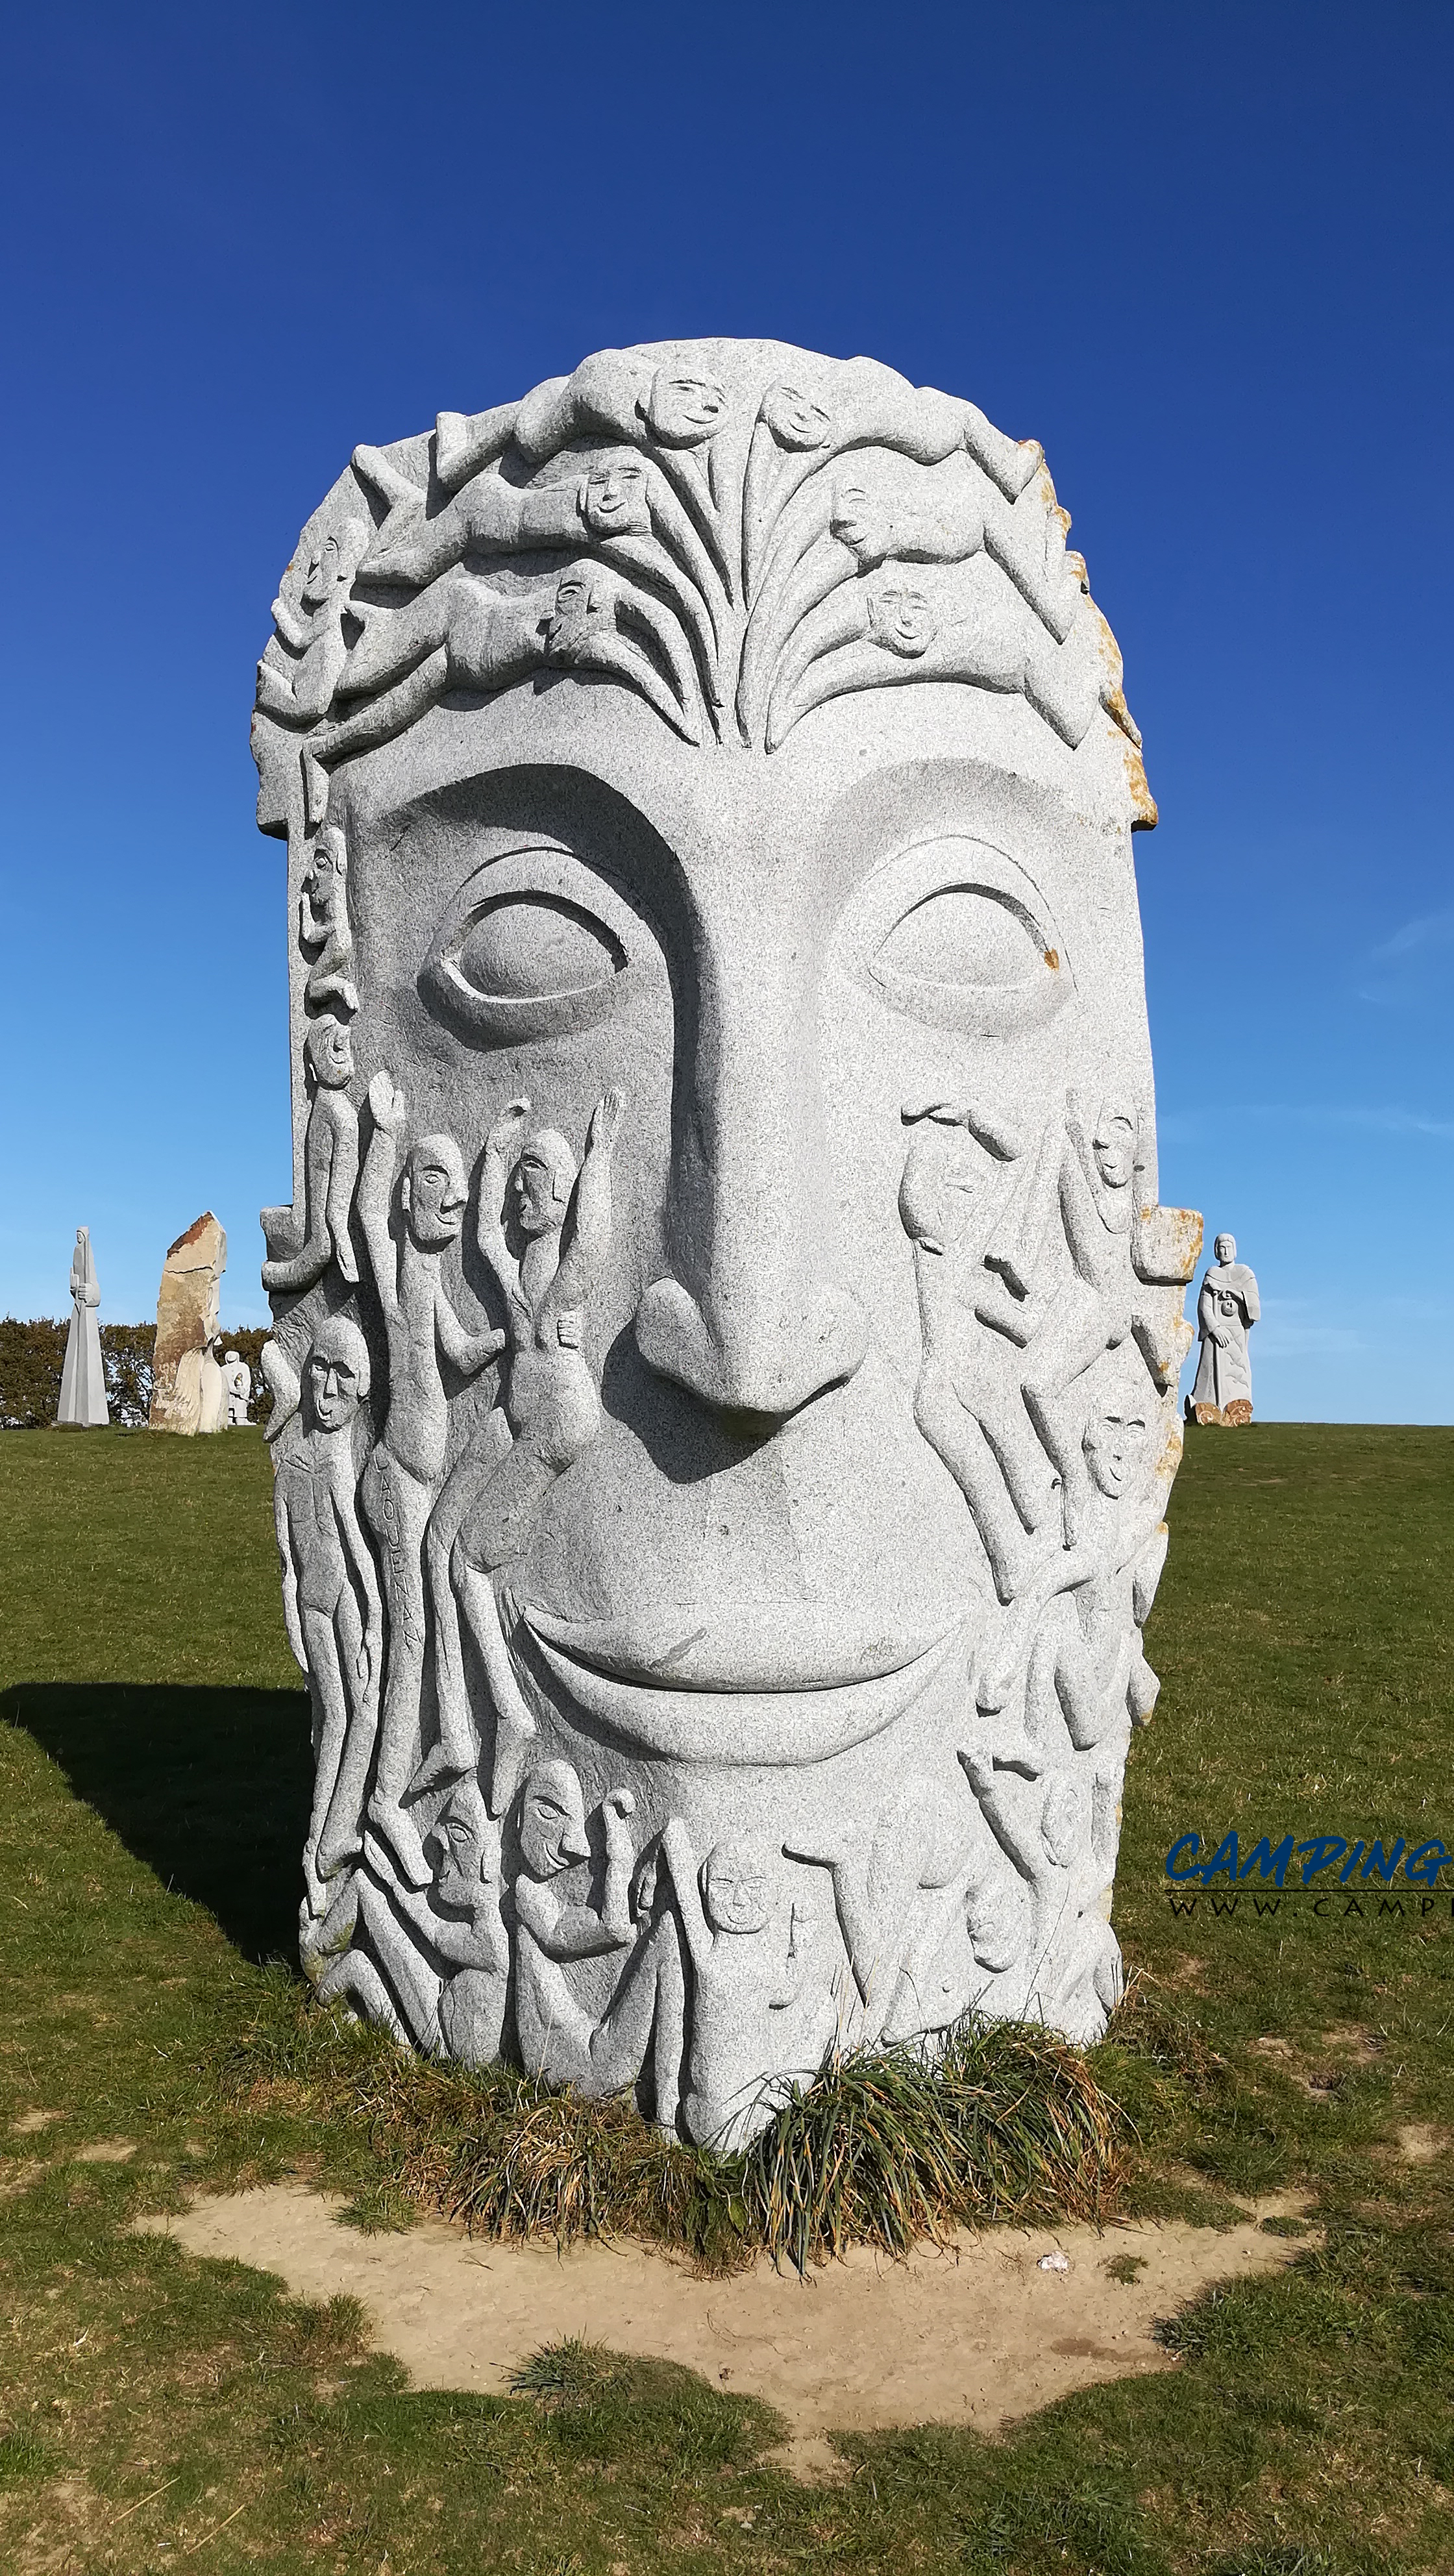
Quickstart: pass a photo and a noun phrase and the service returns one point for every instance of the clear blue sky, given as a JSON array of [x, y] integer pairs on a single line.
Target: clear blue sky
[[1203, 253]]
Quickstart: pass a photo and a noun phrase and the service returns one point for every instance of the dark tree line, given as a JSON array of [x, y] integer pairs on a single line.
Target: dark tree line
[[32, 1356]]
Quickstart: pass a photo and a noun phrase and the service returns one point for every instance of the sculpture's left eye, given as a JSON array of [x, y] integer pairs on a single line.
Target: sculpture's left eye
[[954, 933], [534, 943]]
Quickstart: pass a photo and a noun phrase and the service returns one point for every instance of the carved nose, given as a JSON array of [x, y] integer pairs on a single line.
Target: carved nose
[[753, 1318]]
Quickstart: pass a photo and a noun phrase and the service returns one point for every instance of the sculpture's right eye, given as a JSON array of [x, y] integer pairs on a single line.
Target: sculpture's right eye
[[533, 944]]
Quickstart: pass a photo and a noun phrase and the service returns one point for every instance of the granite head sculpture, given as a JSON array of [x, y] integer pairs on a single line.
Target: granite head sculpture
[[730, 728]]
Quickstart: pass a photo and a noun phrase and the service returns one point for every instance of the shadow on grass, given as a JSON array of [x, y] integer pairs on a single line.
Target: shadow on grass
[[210, 1788]]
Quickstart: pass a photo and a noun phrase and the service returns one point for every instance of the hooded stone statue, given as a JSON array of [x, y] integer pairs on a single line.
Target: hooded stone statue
[[83, 1404]]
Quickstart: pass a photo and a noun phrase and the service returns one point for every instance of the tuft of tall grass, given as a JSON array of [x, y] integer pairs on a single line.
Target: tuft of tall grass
[[885, 2148]]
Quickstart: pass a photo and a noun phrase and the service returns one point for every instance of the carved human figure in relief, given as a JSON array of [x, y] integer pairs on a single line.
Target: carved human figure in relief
[[323, 926], [559, 1220], [308, 614], [1227, 1309], [1085, 1199], [743, 1972], [968, 1399], [920, 1847], [330, 1171], [406, 1467], [1086, 1685], [330, 1592]]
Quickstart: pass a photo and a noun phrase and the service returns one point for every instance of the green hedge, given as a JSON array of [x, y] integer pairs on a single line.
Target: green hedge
[[33, 1354]]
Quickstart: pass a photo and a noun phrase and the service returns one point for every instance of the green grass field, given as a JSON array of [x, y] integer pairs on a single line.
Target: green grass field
[[153, 1782]]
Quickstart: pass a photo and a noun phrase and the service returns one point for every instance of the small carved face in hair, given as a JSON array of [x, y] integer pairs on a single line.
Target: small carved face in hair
[[684, 410], [1117, 1440], [901, 620], [337, 1373], [1114, 1144], [328, 1047], [795, 421], [861, 523], [735, 1887], [333, 563], [1225, 1247], [579, 603], [552, 1821], [614, 501], [434, 1192]]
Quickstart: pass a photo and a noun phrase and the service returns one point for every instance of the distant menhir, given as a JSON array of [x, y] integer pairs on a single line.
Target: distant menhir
[[726, 1335]]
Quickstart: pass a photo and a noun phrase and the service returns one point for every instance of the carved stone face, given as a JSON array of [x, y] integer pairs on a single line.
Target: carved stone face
[[1117, 1448], [616, 502], [685, 408], [552, 1821], [434, 1192], [795, 420], [902, 619], [1114, 1146], [860, 522], [333, 1389], [541, 1184], [1225, 1247], [329, 1048], [781, 850], [735, 1887], [468, 1847]]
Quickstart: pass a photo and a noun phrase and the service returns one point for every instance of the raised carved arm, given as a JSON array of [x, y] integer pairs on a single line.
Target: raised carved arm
[[586, 1234], [468, 1352], [501, 1147], [376, 1187], [696, 1930]]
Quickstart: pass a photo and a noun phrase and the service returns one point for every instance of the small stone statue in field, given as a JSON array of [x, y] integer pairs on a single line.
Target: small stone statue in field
[[83, 1404], [1227, 1309], [237, 1378]]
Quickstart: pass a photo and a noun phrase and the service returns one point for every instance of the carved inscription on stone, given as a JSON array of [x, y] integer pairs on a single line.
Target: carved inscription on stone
[[725, 1330]]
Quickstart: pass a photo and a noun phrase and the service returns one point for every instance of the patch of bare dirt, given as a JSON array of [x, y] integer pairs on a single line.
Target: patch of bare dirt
[[31, 2122], [977, 2334], [1422, 2142], [105, 2151]]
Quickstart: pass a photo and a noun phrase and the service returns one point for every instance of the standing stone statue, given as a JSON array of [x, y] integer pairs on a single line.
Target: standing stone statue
[[722, 1103], [83, 1403], [189, 1392], [237, 1380], [1227, 1309]]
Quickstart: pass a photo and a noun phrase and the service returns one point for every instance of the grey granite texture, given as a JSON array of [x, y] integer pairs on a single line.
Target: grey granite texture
[[83, 1405], [1227, 1309], [725, 1332]]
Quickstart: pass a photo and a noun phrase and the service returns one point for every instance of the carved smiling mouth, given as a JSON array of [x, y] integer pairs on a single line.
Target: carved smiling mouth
[[761, 1683]]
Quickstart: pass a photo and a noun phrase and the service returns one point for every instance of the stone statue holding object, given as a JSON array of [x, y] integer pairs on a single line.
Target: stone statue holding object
[[723, 1114], [83, 1405], [1227, 1309], [237, 1381]]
